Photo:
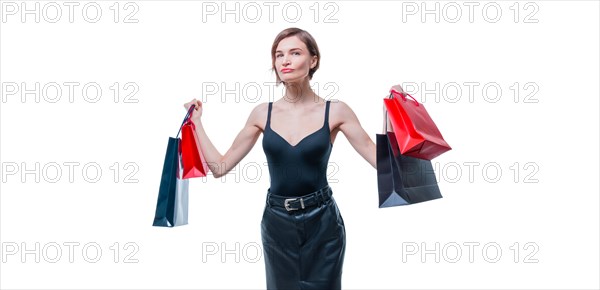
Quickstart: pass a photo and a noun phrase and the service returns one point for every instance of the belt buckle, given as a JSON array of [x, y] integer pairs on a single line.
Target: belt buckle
[[288, 200]]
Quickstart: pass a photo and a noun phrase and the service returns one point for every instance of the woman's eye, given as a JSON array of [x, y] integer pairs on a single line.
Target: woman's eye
[[280, 55]]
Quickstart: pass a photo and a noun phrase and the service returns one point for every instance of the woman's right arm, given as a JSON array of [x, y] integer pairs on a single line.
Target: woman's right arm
[[242, 144]]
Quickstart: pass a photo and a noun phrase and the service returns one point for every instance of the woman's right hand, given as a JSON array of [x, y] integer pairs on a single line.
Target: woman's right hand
[[197, 113]]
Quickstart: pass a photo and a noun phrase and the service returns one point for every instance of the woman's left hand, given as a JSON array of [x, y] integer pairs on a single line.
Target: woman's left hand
[[399, 89]]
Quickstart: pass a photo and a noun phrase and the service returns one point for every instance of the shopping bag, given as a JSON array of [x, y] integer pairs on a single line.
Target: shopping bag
[[402, 180], [173, 194], [418, 136], [194, 164], [389, 182]]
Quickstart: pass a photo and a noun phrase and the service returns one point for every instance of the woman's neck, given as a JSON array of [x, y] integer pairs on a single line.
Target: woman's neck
[[299, 94]]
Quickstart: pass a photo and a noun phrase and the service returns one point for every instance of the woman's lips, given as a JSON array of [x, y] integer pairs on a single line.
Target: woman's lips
[[286, 70]]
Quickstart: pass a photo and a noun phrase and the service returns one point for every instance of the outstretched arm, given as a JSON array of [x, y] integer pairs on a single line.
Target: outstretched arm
[[356, 135], [242, 144]]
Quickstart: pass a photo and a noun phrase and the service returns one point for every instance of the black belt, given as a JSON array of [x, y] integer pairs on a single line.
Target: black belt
[[300, 202]]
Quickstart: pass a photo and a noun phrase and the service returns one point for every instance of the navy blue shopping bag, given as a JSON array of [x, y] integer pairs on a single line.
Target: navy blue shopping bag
[[173, 194], [402, 180]]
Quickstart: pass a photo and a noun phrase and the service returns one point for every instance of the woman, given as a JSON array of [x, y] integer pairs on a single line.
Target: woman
[[302, 230]]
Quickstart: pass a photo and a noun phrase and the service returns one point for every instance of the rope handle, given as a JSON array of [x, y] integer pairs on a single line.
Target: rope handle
[[403, 96]]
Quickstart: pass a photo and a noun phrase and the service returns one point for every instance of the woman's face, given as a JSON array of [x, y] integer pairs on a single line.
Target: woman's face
[[293, 60]]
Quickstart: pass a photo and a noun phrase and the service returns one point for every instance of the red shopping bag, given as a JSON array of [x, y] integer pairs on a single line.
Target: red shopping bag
[[416, 133], [194, 164]]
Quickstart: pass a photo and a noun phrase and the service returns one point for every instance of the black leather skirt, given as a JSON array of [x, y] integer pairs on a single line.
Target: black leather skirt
[[304, 241]]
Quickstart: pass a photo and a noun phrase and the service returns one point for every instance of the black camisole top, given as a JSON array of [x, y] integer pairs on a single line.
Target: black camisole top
[[301, 169]]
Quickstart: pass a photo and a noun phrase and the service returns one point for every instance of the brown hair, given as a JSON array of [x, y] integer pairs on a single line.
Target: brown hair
[[305, 37]]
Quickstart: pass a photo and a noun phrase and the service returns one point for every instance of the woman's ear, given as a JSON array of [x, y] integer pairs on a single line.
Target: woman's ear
[[313, 62]]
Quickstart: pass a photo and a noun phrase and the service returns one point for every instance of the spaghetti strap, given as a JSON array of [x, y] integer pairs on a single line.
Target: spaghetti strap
[[327, 113], [269, 116]]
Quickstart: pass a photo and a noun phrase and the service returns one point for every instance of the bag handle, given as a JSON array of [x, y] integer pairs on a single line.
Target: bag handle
[[386, 121], [187, 116], [391, 96], [386, 116], [403, 96]]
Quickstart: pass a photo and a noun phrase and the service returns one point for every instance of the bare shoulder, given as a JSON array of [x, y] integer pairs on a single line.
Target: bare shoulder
[[340, 109], [258, 115], [340, 114]]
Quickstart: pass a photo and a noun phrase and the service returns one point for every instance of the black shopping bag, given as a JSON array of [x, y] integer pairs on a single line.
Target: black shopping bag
[[401, 179], [173, 194]]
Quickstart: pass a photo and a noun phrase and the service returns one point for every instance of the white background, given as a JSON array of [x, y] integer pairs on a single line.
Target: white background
[[542, 210]]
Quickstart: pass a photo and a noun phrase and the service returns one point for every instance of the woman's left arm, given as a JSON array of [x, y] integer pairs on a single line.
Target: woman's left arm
[[354, 132]]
